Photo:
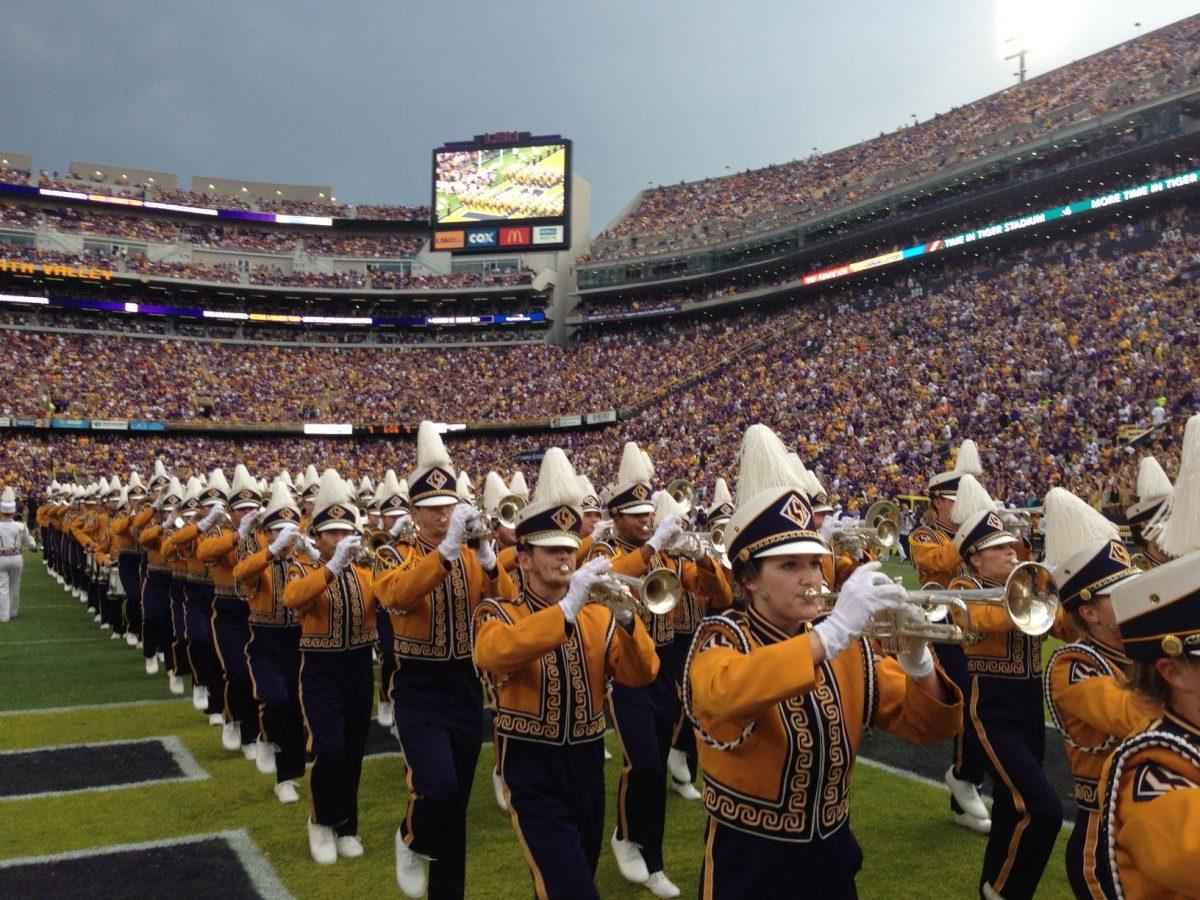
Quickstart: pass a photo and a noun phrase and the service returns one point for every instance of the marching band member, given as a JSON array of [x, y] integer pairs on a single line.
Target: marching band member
[[781, 704], [218, 548], [265, 539], [14, 538], [393, 516], [157, 632], [590, 506], [551, 642], [436, 695], [104, 556], [1153, 491], [645, 717], [494, 491], [335, 601], [129, 559], [1085, 683], [835, 567], [1006, 712], [517, 486], [1149, 840]]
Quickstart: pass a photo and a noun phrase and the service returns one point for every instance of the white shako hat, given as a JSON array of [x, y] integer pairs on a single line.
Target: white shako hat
[[312, 482], [137, 488], [970, 499], [1158, 612], [244, 492], [8, 501], [981, 530], [433, 482], [366, 490], [174, 490], [631, 493], [773, 516], [463, 487], [721, 507], [1153, 489], [393, 495], [1179, 531], [494, 490], [160, 478], [591, 497], [666, 505], [518, 487], [216, 490], [553, 518], [818, 497], [281, 507], [333, 505], [1084, 549], [191, 496]]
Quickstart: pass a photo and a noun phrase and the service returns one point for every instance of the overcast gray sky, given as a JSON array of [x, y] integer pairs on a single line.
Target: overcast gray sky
[[356, 94]]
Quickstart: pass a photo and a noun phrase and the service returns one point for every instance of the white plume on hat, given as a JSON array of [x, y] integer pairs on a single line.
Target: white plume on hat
[[1152, 481], [136, 483], [216, 479], [175, 488], [764, 463], [390, 486], [431, 450], [517, 485], [494, 490], [114, 484], [635, 466], [160, 471], [365, 486], [721, 493], [1180, 533], [586, 488], [332, 491], [557, 483], [967, 461], [666, 505], [463, 486], [242, 481], [971, 498], [1070, 524], [280, 498], [286, 477]]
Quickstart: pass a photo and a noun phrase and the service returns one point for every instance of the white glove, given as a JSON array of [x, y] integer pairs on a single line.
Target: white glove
[[248, 522], [451, 545], [666, 534], [582, 582], [915, 657], [624, 616], [344, 553], [204, 526], [285, 539], [486, 554], [401, 522], [603, 531], [864, 593]]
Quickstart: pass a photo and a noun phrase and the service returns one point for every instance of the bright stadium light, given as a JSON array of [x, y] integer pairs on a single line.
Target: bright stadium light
[[1026, 26]]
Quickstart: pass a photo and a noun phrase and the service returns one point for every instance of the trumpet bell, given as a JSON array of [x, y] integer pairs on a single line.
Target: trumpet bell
[[1031, 598], [682, 492], [882, 509], [661, 591], [507, 509]]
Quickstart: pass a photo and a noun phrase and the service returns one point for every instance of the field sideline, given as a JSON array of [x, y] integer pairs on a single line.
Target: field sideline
[[54, 657]]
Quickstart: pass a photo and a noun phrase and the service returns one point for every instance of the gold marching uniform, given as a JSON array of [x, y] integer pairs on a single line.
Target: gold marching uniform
[[933, 553]]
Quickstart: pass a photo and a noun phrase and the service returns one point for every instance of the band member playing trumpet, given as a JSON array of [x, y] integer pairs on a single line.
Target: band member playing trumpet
[[436, 694], [781, 703], [547, 655], [1085, 682], [1006, 713], [395, 521], [266, 539], [164, 581], [1149, 840], [645, 717], [335, 602]]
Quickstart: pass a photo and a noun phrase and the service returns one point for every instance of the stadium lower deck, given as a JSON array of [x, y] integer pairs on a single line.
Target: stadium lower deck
[[106, 779]]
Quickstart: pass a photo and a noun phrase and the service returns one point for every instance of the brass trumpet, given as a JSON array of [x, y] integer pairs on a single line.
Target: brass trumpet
[[378, 553], [695, 545], [682, 492], [657, 592], [880, 533]]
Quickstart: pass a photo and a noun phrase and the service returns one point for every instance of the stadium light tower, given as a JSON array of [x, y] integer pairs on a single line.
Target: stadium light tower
[[1023, 26]]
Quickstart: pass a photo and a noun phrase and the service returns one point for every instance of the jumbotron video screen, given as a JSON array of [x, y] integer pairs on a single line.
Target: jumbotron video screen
[[501, 192]]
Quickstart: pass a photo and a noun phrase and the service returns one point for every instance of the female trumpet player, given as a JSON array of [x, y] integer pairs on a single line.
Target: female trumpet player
[[780, 697], [548, 655]]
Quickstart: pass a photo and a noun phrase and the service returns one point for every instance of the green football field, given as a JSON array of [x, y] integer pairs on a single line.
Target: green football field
[[63, 682]]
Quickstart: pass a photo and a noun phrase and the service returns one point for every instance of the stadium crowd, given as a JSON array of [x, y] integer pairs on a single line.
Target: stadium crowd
[[714, 209]]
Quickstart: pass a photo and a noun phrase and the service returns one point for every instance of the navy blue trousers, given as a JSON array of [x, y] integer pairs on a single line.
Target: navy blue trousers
[[231, 630], [273, 661], [556, 802], [206, 668], [387, 655], [180, 659], [335, 694], [439, 717], [156, 613], [738, 864], [127, 569], [970, 762], [1026, 812], [674, 655], [645, 718]]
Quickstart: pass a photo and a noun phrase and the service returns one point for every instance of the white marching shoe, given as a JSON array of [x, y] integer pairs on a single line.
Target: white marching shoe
[[321, 843], [112, 637], [685, 789], [629, 860], [175, 684], [660, 885], [411, 875], [216, 719], [983, 826], [200, 697], [607, 755], [349, 847], [498, 789], [161, 657], [131, 639], [384, 715], [152, 665], [264, 757], [966, 795], [285, 792], [249, 751], [677, 765], [231, 736]]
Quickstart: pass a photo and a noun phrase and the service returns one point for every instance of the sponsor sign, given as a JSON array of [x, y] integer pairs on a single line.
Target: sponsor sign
[[606, 415], [27, 423], [548, 234], [69, 423], [448, 240], [110, 424], [482, 237], [328, 428], [566, 421], [147, 426], [514, 237], [4, 422]]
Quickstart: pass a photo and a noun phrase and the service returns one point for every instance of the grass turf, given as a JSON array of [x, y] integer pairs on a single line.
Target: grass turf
[[911, 846]]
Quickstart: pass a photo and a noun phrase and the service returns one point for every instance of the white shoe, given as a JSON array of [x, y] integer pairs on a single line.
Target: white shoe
[[983, 826], [498, 788], [199, 697], [411, 875], [112, 637], [285, 792], [607, 755], [152, 666], [137, 643], [162, 657], [217, 719], [349, 846], [383, 714], [131, 639], [677, 765], [629, 860], [96, 618], [231, 737], [175, 684], [322, 844], [966, 795], [264, 757], [660, 885], [249, 751], [685, 789]]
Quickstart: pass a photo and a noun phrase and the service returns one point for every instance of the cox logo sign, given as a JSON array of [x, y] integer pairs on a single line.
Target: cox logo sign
[[483, 237]]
